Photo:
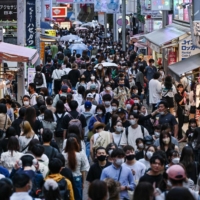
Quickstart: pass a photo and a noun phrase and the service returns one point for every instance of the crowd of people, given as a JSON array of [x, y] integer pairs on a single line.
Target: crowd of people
[[83, 122]]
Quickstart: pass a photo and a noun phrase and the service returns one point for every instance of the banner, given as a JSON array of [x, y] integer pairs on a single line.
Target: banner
[[30, 23], [111, 6], [75, 1], [8, 10]]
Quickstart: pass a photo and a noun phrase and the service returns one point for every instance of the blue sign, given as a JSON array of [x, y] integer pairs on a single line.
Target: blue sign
[[30, 23]]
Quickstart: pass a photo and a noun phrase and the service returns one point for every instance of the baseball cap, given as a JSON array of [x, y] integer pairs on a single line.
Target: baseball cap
[[121, 110], [176, 172], [129, 101], [92, 87], [89, 95], [88, 104], [64, 88]]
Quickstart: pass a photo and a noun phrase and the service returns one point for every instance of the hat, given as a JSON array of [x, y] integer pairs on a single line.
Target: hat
[[129, 101], [64, 88], [148, 139], [89, 95], [88, 104], [121, 110], [135, 96], [107, 83], [176, 172], [98, 124], [93, 87]]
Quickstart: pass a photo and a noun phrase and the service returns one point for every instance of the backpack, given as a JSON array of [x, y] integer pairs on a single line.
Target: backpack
[[59, 131], [125, 90], [64, 192], [67, 52], [38, 79], [76, 122], [142, 129], [48, 73]]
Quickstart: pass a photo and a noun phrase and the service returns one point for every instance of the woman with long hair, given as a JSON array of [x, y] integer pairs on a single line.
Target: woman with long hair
[[27, 134], [77, 161], [5, 121], [180, 98], [79, 96], [94, 81], [9, 158], [166, 143], [117, 134], [30, 116], [192, 167], [82, 82], [168, 92]]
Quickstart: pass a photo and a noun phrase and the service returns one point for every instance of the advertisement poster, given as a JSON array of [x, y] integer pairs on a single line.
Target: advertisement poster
[[187, 49], [30, 23], [160, 4], [110, 6], [172, 58]]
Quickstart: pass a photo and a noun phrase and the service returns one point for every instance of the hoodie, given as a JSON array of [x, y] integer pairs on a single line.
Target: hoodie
[[57, 178], [87, 116]]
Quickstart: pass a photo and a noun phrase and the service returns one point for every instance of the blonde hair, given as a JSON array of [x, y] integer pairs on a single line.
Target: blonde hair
[[27, 129]]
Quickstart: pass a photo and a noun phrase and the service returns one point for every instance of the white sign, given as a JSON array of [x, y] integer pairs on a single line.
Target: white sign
[[155, 47], [31, 73], [187, 49], [101, 18], [47, 2]]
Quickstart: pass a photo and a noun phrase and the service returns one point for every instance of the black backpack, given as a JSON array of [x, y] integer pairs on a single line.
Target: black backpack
[[59, 130], [38, 80], [64, 192], [48, 73]]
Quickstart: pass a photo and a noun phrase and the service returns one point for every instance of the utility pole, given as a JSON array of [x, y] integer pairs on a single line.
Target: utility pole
[[105, 24], [124, 25], [115, 31]]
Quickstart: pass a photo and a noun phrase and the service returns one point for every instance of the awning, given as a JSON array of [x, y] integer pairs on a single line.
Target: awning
[[186, 65], [140, 45], [47, 38], [15, 53], [167, 34]]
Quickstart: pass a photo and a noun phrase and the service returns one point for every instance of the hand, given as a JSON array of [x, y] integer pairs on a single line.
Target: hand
[[17, 166], [122, 188], [36, 166]]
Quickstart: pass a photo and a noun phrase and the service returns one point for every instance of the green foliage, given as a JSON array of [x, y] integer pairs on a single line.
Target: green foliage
[[139, 16]]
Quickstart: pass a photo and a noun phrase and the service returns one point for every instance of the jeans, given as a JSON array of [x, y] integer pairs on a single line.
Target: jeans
[[49, 87], [78, 190], [87, 145]]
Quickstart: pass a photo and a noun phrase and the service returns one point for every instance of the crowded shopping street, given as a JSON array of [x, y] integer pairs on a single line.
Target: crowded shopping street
[[99, 100]]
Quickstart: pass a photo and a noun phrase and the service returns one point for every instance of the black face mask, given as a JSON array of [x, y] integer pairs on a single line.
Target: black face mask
[[101, 158], [130, 157]]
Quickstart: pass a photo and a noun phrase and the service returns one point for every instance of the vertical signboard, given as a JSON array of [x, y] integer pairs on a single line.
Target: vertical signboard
[[172, 57], [30, 23]]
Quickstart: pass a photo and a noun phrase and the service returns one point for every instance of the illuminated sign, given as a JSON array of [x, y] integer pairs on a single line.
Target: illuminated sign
[[59, 12], [160, 4]]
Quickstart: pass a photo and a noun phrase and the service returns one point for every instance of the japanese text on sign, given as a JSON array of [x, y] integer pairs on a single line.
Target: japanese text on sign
[[8, 10]]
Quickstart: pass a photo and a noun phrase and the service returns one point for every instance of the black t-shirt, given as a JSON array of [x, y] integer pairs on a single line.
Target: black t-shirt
[[189, 133], [50, 151], [16, 125], [74, 114], [126, 124], [74, 76], [139, 155], [37, 126], [151, 179], [95, 171]]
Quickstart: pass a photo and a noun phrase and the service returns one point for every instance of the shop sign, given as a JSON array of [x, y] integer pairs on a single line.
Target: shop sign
[[59, 12], [42, 50], [8, 10], [187, 49], [172, 57], [30, 23], [50, 33], [161, 5], [31, 74], [155, 47]]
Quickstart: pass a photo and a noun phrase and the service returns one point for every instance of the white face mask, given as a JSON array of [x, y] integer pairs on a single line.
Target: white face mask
[[162, 113], [136, 101], [136, 91], [108, 88], [106, 79], [26, 103], [118, 128], [128, 106], [132, 121], [135, 111], [107, 103], [169, 184], [149, 154], [99, 67], [175, 160], [119, 161], [141, 145], [114, 108], [110, 151], [92, 77], [99, 112], [157, 134]]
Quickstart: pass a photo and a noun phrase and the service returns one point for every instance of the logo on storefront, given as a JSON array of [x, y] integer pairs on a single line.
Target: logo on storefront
[[59, 12]]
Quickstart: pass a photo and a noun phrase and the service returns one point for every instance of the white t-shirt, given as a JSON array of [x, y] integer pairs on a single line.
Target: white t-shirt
[[92, 110], [139, 169], [145, 162], [154, 91], [133, 134], [117, 138]]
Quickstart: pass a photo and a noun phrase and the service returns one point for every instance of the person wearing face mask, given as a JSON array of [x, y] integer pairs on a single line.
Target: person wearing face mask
[[139, 153], [173, 158], [100, 73], [119, 173], [107, 90], [122, 114], [89, 71], [93, 81], [154, 175], [96, 169], [138, 169], [134, 90], [26, 101], [107, 103], [133, 132], [109, 149], [157, 130], [32, 93], [165, 117], [96, 95], [129, 103], [147, 156], [166, 144], [117, 135]]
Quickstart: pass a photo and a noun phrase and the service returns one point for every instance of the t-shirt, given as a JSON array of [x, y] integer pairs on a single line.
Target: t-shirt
[[139, 169], [145, 162], [133, 134], [95, 171], [74, 114], [73, 76], [117, 138], [126, 124], [151, 179], [50, 151]]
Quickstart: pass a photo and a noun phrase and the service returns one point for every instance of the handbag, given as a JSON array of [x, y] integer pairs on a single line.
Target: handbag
[[2, 131]]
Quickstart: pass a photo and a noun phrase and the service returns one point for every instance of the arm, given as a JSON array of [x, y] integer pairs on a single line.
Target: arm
[[44, 80], [176, 130], [91, 145], [176, 148], [91, 123], [83, 178], [131, 185]]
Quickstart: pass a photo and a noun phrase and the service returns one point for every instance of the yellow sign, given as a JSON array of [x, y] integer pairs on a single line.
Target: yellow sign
[[42, 50], [50, 33]]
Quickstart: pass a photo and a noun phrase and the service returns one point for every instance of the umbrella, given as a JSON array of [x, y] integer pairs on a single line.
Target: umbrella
[[90, 24], [70, 37], [80, 28], [45, 25], [77, 23], [106, 64], [79, 47]]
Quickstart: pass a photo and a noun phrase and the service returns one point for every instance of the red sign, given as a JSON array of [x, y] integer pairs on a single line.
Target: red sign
[[172, 57], [60, 19], [59, 12]]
